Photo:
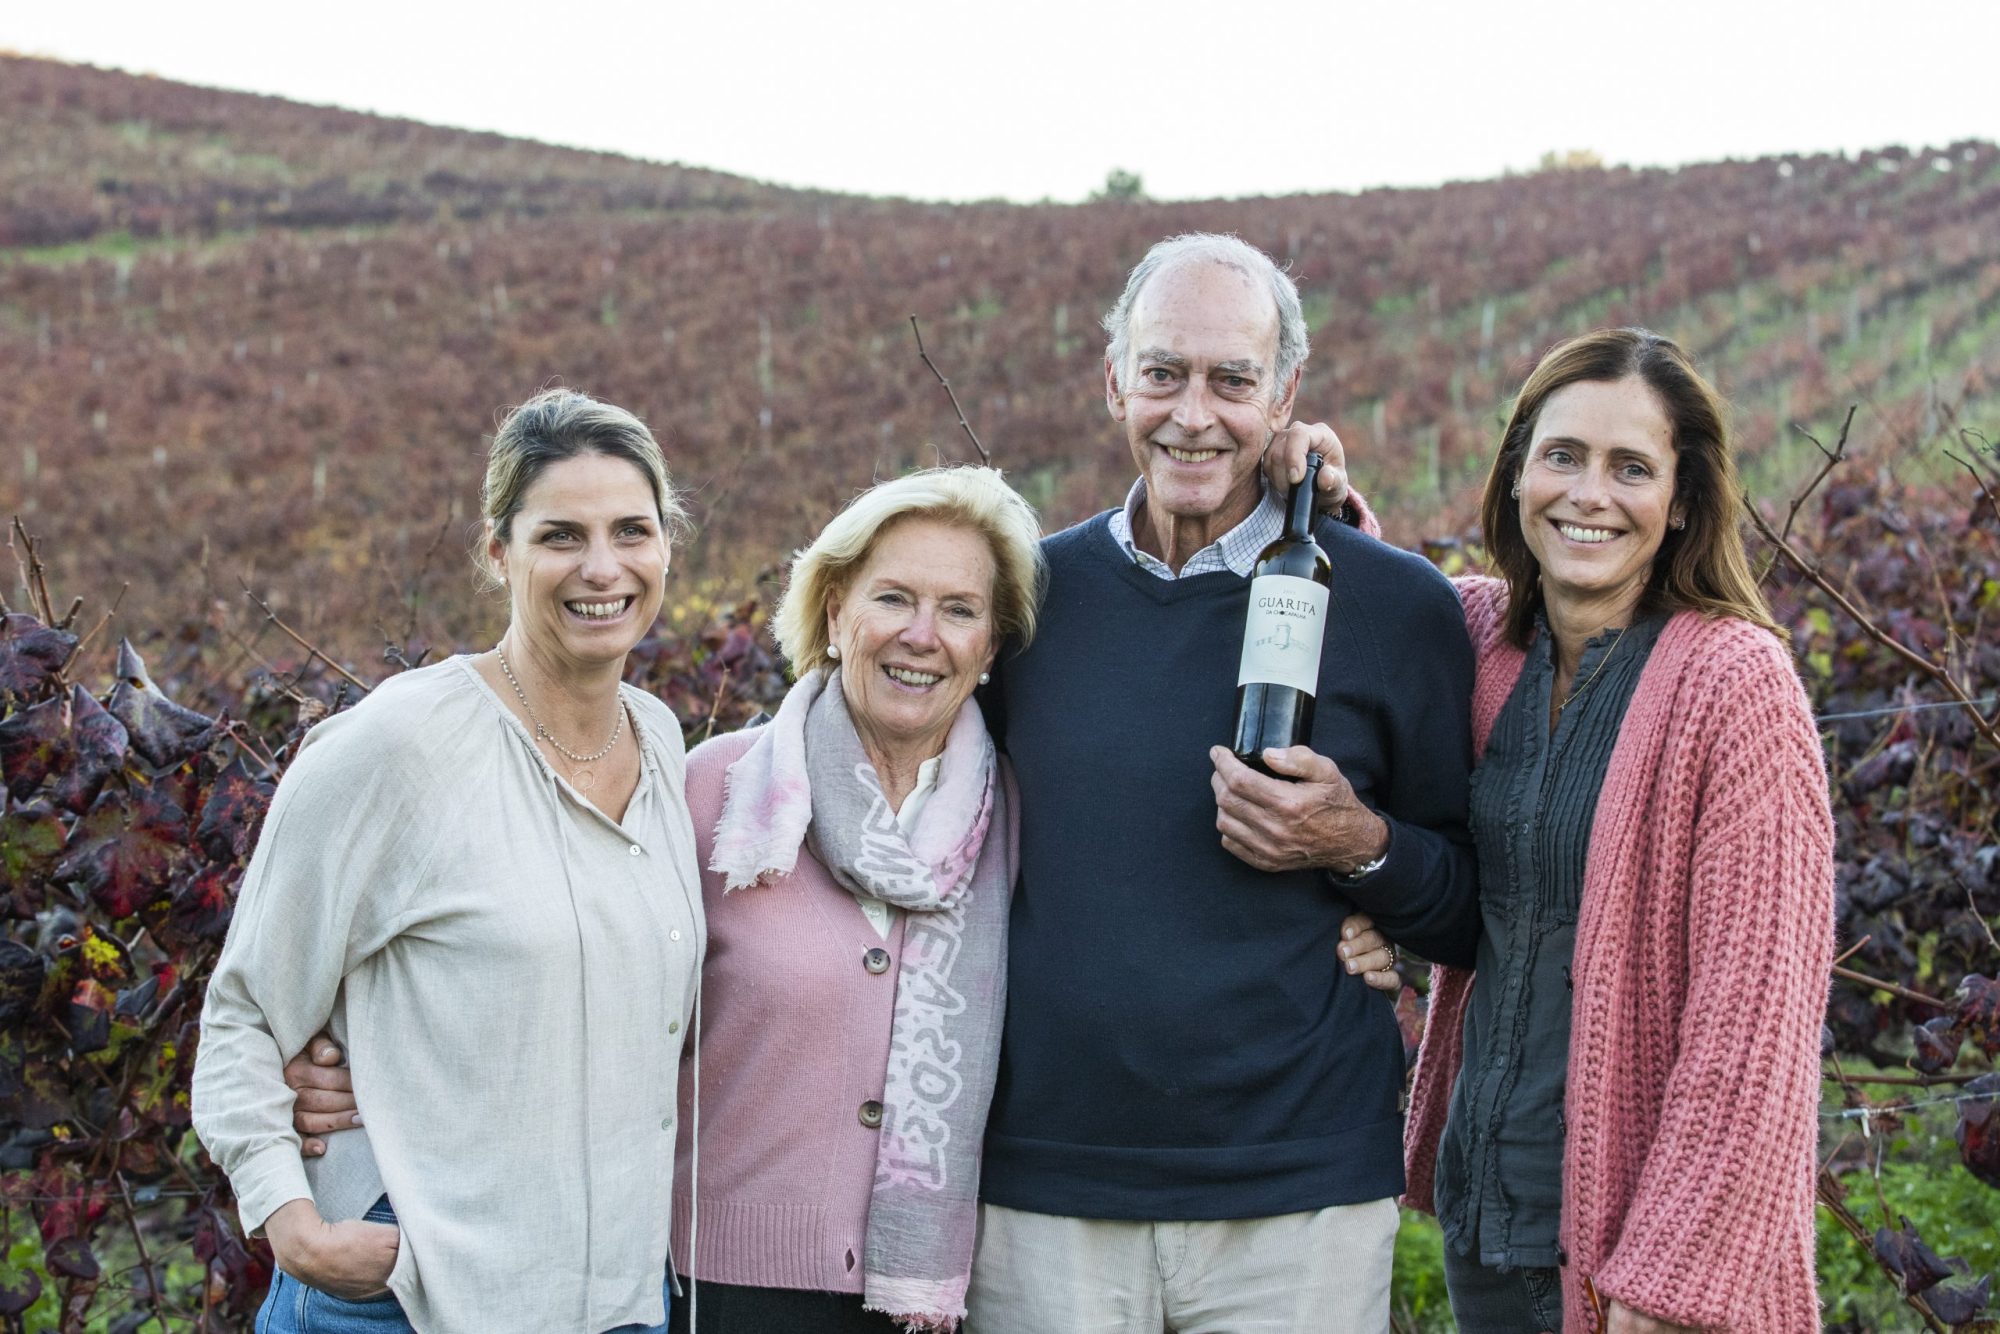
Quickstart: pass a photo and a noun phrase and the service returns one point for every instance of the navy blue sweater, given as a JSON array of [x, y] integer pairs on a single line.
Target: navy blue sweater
[[1182, 1041]]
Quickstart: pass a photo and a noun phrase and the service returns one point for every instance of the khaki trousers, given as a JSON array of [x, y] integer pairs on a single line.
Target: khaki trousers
[[1324, 1272]]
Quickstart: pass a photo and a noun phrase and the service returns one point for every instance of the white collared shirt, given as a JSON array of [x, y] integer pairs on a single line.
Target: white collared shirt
[[1236, 550]]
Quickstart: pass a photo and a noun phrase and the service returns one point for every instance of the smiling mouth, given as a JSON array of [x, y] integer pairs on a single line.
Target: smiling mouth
[[599, 611], [911, 677], [1588, 536], [1190, 455]]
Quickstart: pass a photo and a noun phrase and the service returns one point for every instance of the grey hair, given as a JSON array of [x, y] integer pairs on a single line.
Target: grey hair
[[1232, 252]]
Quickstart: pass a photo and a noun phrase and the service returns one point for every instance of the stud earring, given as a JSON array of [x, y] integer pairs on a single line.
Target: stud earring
[[985, 678], [1677, 523], [1516, 492], [833, 651]]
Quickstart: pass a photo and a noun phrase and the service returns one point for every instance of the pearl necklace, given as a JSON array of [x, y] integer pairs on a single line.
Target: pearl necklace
[[543, 733]]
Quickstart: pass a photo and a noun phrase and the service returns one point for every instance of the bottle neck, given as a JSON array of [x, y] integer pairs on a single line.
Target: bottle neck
[[1300, 519]]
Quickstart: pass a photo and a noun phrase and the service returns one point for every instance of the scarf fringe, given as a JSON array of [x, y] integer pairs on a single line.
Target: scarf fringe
[[919, 1306]]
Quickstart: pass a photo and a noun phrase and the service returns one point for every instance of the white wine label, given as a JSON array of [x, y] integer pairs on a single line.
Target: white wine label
[[1283, 633]]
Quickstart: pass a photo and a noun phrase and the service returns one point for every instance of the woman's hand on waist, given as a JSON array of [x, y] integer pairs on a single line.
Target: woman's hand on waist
[[323, 1101], [350, 1260]]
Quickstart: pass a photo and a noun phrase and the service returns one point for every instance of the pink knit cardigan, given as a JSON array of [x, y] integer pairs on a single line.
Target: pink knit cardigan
[[1701, 976]]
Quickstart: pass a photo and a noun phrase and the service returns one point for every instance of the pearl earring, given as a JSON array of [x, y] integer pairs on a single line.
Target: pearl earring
[[833, 651], [985, 678]]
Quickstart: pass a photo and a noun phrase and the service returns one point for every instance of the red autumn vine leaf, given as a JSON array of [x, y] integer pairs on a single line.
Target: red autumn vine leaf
[[35, 1090], [234, 812], [245, 1267], [72, 1258], [21, 972], [163, 733], [31, 838], [1937, 1042], [66, 1203], [31, 653], [19, 1289], [198, 910], [1916, 1266], [34, 743], [1978, 1011], [87, 1018], [97, 750], [126, 850], [1959, 1303], [1978, 1132]]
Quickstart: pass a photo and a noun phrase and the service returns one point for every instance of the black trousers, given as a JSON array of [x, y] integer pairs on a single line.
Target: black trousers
[[1490, 1301], [727, 1309]]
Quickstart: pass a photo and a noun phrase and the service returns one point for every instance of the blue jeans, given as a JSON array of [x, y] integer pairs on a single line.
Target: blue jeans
[[293, 1308]]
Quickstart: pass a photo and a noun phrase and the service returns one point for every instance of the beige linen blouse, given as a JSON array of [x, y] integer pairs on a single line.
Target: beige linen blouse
[[511, 973]]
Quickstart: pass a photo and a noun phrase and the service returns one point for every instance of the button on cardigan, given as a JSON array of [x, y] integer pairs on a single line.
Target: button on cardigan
[[506, 968]]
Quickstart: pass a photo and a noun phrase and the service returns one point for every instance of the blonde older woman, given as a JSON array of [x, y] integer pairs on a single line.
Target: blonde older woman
[[497, 844], [858, 856]]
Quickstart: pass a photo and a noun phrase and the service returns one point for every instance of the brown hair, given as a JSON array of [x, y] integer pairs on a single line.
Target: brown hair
[[1703, 565]]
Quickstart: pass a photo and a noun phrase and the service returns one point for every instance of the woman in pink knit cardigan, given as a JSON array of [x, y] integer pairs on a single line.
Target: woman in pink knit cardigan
[[1615, 1114], [857, 856]]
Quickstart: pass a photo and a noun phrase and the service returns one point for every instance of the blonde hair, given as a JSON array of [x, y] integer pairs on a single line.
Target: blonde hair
[[972, 498], [559, 424]]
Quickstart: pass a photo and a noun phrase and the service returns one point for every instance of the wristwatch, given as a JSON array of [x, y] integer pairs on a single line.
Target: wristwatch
[[1366, 868]]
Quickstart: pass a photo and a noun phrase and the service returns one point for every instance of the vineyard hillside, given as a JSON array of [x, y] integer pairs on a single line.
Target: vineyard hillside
[[247, 338]]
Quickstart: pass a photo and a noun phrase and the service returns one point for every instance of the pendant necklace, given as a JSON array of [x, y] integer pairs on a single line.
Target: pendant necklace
[[1588, 681], [581, 777]]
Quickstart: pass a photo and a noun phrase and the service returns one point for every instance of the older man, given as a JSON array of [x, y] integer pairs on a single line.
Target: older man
[[1196, 1125]]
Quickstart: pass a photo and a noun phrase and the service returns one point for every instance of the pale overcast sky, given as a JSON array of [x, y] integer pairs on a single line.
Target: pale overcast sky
[[1027, 99]]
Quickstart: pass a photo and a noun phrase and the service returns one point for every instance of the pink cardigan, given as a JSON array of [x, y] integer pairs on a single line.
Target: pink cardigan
[[1701, 980], [795, 1038]]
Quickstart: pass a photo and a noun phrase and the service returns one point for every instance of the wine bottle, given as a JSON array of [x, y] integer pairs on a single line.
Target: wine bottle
[[1279, 672]]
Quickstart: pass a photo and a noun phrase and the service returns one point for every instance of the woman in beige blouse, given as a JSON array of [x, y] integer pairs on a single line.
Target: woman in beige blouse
[[493, 848]]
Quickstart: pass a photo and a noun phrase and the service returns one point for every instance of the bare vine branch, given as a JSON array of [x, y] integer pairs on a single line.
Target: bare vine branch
[[984, 457], [1892, 988], [272, 617], [1829, 1191], [1911, 1081], [715, 706], [1868, 626], [33, 576], [152, 1276], [1834, 457], [1992, 505], [97, 629]]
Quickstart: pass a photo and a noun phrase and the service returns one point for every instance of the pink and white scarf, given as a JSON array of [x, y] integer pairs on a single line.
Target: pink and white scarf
[[806, 781]]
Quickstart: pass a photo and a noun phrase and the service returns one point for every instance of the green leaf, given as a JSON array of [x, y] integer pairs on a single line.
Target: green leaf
[[31, 838]]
